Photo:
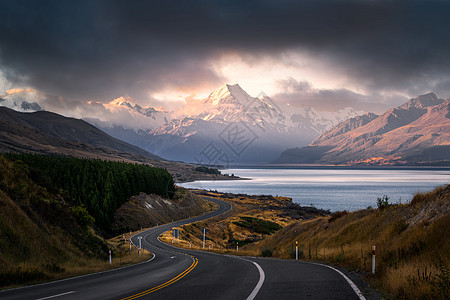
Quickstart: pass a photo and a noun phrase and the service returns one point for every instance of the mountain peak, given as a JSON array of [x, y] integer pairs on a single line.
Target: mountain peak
[[228, 93], [423, 101]]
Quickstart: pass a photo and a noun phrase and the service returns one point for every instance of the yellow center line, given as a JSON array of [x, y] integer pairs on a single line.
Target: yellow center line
[[173, 280]]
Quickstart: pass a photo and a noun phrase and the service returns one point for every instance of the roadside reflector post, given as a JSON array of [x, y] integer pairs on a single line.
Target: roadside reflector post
[[373, 259], [296, 250], [209, 248], [124, 239], [140, 244], [190, 244], [237, 246], [204, 236], [110, 261]]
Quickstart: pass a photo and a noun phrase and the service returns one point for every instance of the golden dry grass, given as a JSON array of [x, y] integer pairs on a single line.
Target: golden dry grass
[[412, 240]]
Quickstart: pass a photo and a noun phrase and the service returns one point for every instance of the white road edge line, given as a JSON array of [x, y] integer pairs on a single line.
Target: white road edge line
[[54, 296], [77, 277], [351, 283], [258, 286]]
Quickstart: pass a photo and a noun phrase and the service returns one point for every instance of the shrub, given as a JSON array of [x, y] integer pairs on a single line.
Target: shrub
[[267, 252], [383, 203], [441, 281], [83, 217], [258, 225]]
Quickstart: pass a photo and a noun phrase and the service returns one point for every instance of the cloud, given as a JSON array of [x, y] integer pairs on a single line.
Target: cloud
[[303, 93], [83, 50]]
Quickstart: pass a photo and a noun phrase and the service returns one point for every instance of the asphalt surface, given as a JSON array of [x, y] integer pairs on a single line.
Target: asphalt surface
[[184, 274]]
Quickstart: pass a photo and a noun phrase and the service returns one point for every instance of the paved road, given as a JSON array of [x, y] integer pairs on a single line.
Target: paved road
[[183, 274]]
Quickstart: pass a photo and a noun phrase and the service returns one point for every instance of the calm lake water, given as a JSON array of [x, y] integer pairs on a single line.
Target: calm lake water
[[330, 188]]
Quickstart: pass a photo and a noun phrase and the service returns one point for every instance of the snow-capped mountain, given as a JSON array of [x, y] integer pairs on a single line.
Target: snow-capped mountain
[[417, 132], [232, 126], [155, 117]]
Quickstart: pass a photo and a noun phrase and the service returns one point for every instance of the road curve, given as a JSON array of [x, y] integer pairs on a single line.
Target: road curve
[[185, 274]]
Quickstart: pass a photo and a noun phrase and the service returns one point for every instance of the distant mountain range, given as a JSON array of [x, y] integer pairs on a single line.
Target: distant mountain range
[[49, 133], [417, 132], [229, 126]]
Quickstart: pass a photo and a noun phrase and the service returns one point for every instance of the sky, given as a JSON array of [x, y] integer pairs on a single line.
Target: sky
[[72, 57]]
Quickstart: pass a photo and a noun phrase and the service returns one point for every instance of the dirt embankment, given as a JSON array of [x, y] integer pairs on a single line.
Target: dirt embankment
[[144, 210]]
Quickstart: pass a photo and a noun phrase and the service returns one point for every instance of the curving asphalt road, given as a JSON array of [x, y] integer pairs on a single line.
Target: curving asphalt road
[[174, 273]]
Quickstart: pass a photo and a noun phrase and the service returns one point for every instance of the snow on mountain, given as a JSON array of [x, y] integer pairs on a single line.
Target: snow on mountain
[[416, 132], [241, 127], [156, 117], [227, 126]]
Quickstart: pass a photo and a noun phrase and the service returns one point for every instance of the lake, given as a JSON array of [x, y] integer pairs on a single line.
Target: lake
[[330, 188]]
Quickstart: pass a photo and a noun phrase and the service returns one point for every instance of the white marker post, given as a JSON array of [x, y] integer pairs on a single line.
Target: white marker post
[[237, 246], [140, 244], [110, 261], [204, 236], [296, 250], [130, 240], [373, 259], [209, 247], [190, 244]]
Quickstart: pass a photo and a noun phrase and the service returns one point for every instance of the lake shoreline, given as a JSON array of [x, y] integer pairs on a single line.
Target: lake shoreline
[[333, 188]]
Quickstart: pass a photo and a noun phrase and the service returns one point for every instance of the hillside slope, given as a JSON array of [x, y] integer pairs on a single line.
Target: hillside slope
[[40, 234], [412, 244], [52, 134], [143, 210], [47, 231], [417, 132], [47, 132]]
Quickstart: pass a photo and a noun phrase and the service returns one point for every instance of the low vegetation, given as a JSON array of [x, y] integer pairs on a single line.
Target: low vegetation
[[412, 244], [258, 225], [97, 186], [144, 210], [412, 240], [50, 230], [252, 219]]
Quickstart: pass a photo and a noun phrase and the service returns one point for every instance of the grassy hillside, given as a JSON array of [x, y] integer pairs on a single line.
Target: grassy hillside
[[252, 219], [100, 187], [39, 232], [46, 234], [412, 240], [145, 210], [412, 244]]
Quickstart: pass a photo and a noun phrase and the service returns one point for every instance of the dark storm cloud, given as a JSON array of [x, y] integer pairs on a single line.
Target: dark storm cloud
[[102, 49]]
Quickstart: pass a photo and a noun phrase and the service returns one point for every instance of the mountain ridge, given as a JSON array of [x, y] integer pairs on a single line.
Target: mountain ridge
[[69, 131], [268, 127], [399, 136]]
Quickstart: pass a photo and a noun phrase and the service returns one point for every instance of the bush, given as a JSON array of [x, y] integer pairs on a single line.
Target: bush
[[258, 225], [267, 252], [383, 203], [83, 217], [441, 281]]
